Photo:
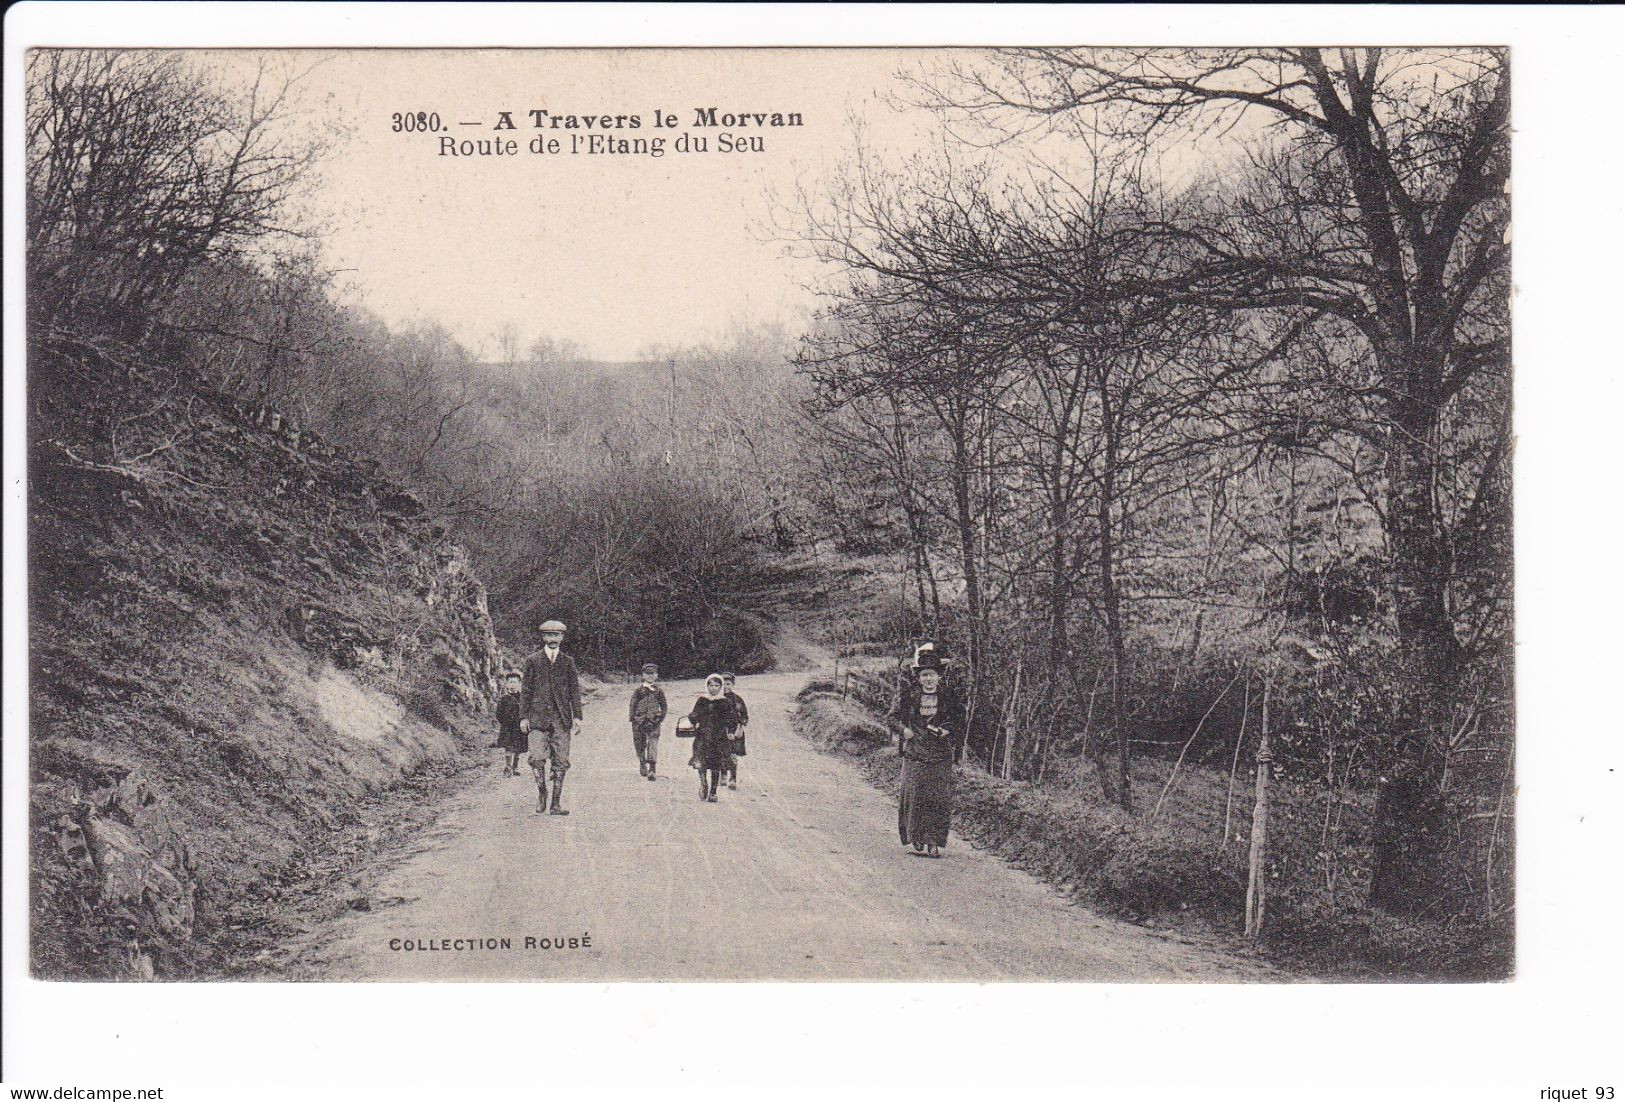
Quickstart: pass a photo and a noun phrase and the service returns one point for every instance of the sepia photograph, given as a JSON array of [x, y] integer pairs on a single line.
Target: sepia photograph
[[785, 548], [1009, 514]]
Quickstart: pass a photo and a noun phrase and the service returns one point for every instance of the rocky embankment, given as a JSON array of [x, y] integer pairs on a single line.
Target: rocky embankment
[[235, 640]]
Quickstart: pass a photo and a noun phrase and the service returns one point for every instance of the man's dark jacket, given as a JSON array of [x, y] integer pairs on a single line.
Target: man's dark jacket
[[552, 692]]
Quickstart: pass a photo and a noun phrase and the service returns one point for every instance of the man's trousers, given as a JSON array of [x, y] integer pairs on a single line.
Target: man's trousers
[[546, 746]]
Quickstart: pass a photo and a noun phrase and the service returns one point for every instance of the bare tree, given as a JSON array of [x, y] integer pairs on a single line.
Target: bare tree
[[138, 169]]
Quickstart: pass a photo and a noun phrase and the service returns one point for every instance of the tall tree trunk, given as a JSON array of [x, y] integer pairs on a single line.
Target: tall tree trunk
[[1409, 830], [1114, 632], [1111, 605], [911, 509], [1414, 328], [965, 522], [1060, 596], [917, 559]]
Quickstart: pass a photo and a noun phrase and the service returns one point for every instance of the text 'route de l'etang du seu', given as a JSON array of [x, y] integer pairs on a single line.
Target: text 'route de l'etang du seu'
[[591, 134]]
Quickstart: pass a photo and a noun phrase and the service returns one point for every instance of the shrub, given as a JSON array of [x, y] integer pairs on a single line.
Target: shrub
[[838, 725], [1152, 870]]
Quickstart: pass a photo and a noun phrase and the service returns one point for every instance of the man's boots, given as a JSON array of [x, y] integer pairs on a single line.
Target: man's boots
[[558, 790], [541, 794]]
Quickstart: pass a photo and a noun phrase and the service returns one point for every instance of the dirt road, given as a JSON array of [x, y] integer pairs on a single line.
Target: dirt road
[[796, 876]]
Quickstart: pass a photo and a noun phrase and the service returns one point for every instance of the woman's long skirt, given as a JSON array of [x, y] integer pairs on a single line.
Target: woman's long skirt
[[922, 812]]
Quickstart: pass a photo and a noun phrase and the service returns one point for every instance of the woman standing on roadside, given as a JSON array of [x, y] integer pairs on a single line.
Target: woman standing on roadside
[[932, 721]]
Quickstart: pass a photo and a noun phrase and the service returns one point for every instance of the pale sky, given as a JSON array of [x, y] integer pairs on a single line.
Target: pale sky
[[616, 253]]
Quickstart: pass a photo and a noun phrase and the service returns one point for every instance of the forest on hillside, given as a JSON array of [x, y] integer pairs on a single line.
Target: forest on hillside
[[1171, 395]]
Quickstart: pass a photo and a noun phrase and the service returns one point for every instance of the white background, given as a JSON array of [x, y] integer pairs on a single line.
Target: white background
[[1557, 1025]]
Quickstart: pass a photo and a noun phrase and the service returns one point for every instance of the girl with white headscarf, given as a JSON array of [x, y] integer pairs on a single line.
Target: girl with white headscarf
[[713, 716]]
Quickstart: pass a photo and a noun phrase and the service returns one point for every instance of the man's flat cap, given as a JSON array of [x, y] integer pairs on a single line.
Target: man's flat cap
[[553, 625]]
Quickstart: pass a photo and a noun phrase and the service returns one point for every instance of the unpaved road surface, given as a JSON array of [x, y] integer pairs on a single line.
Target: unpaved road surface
[[796, 876]]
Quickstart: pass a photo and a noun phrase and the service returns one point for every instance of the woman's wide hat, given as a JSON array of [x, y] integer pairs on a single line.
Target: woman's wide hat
[[929, 661]]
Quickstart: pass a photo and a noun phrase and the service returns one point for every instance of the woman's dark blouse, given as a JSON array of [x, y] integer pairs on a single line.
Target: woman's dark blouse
[[924, 745]]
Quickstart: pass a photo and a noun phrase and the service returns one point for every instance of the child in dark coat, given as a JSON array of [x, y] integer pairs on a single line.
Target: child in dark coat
[[712, 715], [736, 733], [510, 738]]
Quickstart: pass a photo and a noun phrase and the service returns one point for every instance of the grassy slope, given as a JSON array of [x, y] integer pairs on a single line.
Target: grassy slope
[[229, 654]]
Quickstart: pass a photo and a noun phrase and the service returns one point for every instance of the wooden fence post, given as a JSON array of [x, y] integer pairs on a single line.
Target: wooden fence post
[[1256, 853], [1010, 718], [1241, 733]]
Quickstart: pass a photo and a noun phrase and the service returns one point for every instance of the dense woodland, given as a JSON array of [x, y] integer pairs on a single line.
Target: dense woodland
[[1163, 460]]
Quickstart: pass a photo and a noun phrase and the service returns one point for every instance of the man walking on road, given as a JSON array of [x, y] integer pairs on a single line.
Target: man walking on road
[[552, 714]]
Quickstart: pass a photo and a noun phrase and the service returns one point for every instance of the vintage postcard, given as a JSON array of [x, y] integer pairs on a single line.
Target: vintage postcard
[[770, 514]]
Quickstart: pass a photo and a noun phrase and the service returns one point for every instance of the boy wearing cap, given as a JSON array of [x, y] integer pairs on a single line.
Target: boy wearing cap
[[552, 697], [648, 712]]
